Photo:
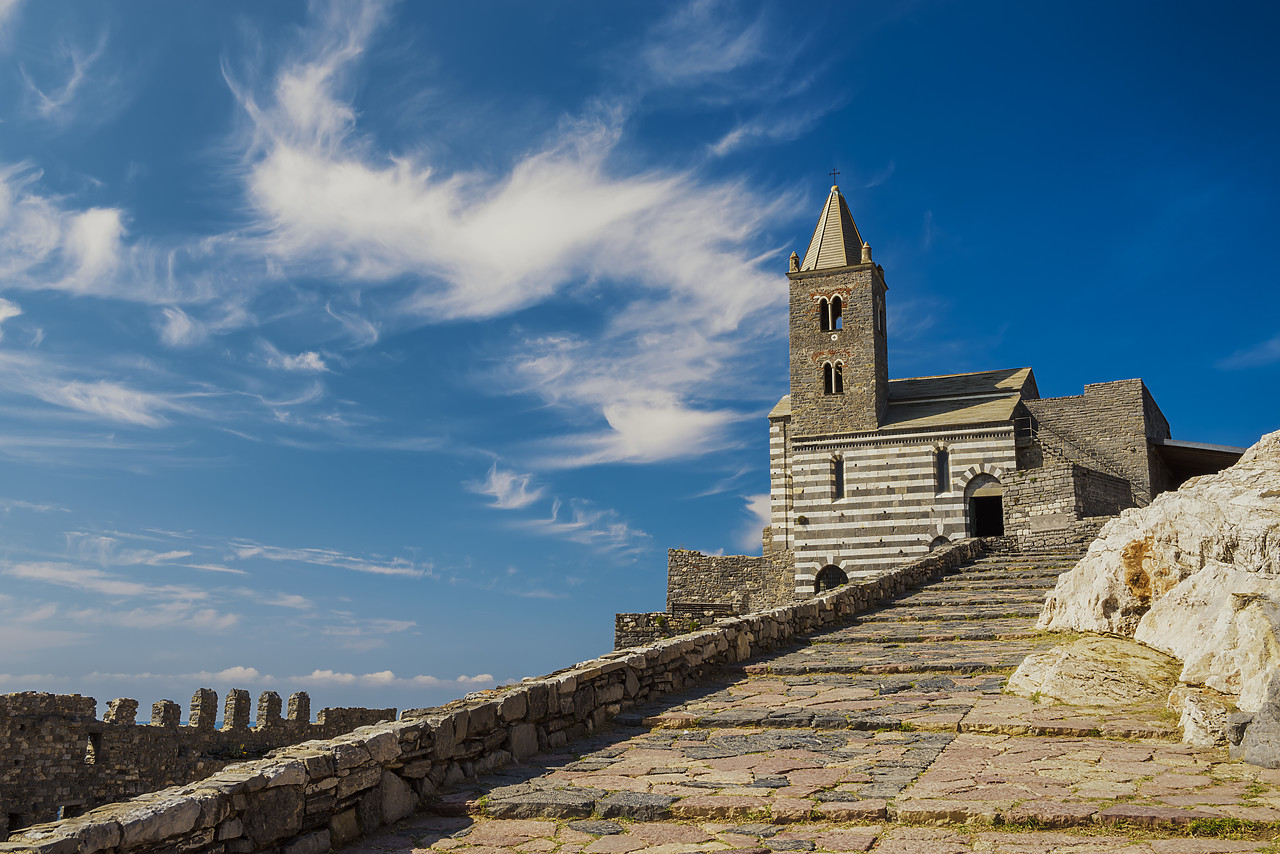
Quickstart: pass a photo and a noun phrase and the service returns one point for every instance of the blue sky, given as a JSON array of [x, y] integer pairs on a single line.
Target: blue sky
[[382, 350]]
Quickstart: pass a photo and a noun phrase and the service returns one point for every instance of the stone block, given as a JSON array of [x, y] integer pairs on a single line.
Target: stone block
[[273, 814], [558, 803], [316, 842], [398, 798], [513, 705], [369, 811], [640, 806], [153, 822], [522, 742], [383, 746], [344, 827], [358, 780]]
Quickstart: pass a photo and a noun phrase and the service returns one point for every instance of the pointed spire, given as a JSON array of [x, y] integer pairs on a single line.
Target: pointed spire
[[836, 241]]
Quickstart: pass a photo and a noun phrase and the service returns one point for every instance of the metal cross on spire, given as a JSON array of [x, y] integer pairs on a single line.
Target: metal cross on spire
[[833, 173]]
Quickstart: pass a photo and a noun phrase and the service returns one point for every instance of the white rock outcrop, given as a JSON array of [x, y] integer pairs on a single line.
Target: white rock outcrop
[[1096, 671], [1195, 574]]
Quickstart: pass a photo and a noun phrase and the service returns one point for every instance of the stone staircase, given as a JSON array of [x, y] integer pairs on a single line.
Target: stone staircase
[[853, 737]]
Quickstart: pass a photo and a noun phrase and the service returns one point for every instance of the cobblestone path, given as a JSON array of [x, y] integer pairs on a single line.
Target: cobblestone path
[[888, 734]]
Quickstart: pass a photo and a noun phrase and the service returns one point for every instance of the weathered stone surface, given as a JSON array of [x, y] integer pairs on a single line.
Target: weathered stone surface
[[523, 741], [1222, 623], [596, 828], [273, 814], [1232, 517], [153, 822], [560, 803], [312, 843], [1096, 671], [398, 798], [344, 827], [641, 806], [1201, 714]]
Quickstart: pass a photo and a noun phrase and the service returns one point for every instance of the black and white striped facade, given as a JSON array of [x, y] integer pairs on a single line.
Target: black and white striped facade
[[865, 501]]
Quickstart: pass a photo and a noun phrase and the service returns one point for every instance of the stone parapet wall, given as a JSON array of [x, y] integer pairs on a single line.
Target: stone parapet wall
[[745, 582], [1106, 428], [310, 797], [58, 759], [1058, 503]]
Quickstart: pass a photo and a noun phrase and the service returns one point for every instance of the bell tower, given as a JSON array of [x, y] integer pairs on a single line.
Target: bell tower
[[839, 355]]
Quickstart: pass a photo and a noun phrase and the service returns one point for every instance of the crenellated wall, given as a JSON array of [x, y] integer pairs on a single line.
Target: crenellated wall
[[58, 760], [310, 797]]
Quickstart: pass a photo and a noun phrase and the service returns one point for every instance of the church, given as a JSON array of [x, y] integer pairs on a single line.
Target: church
[[868, 471]]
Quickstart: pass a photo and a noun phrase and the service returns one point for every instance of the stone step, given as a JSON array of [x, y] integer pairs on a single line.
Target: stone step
[[965, 598], [1047, 579], [921, 632], [961, 656], [1018, 566], [908, 613], [962, 583]]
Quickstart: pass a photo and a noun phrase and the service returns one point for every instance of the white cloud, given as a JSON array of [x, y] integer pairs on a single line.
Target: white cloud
[[509, 490], [670, 249], [179, 329], [288, 600], [307, 362], [8, 12], [588, 525], [757, 511], [1259, 355], [8, 309], [95, 580], [767, 128], [244, 549], [161, 616], [55, 102], [700, 40], [109, 400], [7, 504], [387, 678]]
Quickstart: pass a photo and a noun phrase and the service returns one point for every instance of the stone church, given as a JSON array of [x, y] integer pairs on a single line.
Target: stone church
[[868, 471]]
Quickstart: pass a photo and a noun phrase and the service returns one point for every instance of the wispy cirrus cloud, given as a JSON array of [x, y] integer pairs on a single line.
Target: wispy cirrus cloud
[[757, 512], [98, 581], [387, 678], [673, 249], [702, 39], [1259, 355], [584, 522], [331, 558], [305, 362], [509, 490]]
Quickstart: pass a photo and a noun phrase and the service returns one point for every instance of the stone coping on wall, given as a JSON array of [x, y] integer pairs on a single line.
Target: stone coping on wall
[[309, 797]]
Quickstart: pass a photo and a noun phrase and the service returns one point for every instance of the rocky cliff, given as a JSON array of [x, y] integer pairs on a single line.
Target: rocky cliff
[[1196, 574]]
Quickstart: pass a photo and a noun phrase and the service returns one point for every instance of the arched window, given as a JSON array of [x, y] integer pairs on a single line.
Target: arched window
[[829, 578], [824, 318], [827, 378], [837, 477], [837, 378], [942, 470], [837, 313]]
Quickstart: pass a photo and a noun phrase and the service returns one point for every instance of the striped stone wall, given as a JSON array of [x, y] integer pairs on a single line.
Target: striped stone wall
[[892, 509]]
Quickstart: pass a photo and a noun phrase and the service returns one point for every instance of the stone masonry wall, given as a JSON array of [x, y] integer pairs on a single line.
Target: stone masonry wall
[[860, 345], [1106, 429], [310, 797], [56, 757], [745, 582], [640, 629], [1061, 504]]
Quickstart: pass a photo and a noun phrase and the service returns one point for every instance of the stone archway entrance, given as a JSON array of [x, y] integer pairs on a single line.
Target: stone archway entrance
[[829, 578], [984, 499]]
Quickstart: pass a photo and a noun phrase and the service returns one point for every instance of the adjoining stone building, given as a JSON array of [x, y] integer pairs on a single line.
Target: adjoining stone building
[[868, 471]]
